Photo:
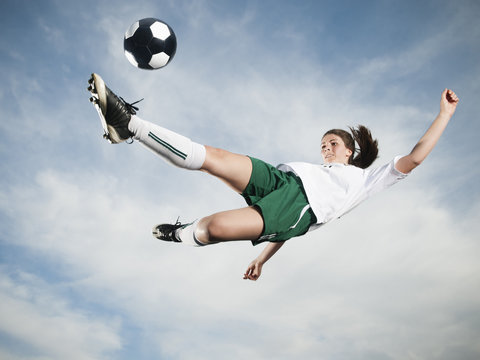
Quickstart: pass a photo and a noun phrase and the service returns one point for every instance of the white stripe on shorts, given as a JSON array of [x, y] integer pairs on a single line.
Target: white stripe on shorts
[[304, 210]]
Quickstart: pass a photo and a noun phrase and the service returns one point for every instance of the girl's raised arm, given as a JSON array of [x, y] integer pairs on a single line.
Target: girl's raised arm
[[425, 145]]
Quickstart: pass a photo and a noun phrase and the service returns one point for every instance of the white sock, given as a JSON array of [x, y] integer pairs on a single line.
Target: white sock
[[187, 235], [175, 148]]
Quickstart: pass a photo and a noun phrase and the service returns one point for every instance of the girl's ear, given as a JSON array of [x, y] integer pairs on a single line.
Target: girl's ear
[[349, 152]]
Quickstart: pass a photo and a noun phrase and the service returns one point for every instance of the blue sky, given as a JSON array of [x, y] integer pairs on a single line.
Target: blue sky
[[82, 278]]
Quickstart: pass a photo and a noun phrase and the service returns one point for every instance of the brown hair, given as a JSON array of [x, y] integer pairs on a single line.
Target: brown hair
[[368, 147]]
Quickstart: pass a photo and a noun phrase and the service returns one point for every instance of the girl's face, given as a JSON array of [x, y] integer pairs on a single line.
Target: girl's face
[[334, 150]]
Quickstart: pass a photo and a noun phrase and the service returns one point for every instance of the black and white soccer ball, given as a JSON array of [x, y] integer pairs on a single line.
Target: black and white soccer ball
[[150, 44]]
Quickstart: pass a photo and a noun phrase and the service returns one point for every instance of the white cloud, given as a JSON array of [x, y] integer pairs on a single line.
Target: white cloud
[[44, 325]]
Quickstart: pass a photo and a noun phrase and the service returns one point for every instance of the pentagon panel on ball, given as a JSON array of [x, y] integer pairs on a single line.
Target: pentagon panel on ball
[[149, 44]]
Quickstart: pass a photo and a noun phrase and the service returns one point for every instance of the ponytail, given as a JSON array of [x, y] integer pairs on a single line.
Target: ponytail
[[368, 147]]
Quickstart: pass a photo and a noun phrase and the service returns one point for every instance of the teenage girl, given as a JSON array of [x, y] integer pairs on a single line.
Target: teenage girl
[[284, 201]]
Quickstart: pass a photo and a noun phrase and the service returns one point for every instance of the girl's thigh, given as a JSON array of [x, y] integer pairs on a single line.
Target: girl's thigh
[[240, 224], [233, 169]]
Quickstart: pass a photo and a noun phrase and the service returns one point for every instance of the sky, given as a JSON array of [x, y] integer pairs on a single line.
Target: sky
[[81, 277]]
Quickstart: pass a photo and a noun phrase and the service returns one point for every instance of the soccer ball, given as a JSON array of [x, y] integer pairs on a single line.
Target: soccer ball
[[149, 44]]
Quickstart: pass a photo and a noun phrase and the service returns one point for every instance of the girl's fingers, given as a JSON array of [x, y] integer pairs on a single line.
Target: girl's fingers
[[451, 96]]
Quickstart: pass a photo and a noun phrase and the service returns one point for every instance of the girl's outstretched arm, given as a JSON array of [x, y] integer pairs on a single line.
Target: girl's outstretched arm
[[425, 145], [254, 270]]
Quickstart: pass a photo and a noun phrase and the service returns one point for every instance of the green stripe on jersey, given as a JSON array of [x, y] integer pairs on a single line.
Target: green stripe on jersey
[[167, 146]]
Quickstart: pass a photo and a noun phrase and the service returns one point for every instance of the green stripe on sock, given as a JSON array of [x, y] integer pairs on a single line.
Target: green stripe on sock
[[168, 146]]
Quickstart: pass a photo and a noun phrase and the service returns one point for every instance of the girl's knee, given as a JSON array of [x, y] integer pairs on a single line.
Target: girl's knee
[[216, 230], [210, 230]]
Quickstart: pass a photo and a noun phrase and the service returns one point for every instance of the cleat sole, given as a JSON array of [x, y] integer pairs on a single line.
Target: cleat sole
[[99, 101]]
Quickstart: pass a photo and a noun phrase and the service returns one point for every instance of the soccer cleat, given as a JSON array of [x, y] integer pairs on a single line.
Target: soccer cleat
[[114, 112], [167, 232]]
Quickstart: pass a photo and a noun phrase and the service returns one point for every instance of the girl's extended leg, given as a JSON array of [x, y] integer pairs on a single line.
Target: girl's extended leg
[[234, 169]]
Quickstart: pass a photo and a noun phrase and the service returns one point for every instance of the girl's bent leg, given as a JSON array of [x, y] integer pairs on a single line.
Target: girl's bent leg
[[241, 224]]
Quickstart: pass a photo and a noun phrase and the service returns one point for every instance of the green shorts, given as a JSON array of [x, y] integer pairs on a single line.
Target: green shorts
[[282, 201]]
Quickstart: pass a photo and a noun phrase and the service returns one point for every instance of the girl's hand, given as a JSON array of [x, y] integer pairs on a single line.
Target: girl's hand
[[254, 270], [448, 103]]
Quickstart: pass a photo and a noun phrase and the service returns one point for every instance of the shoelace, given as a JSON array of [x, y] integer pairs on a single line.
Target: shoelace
[[131, 109], [171, 233]]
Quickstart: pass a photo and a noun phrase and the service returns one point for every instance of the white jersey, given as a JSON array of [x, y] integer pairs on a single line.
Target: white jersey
[[334, 189]]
